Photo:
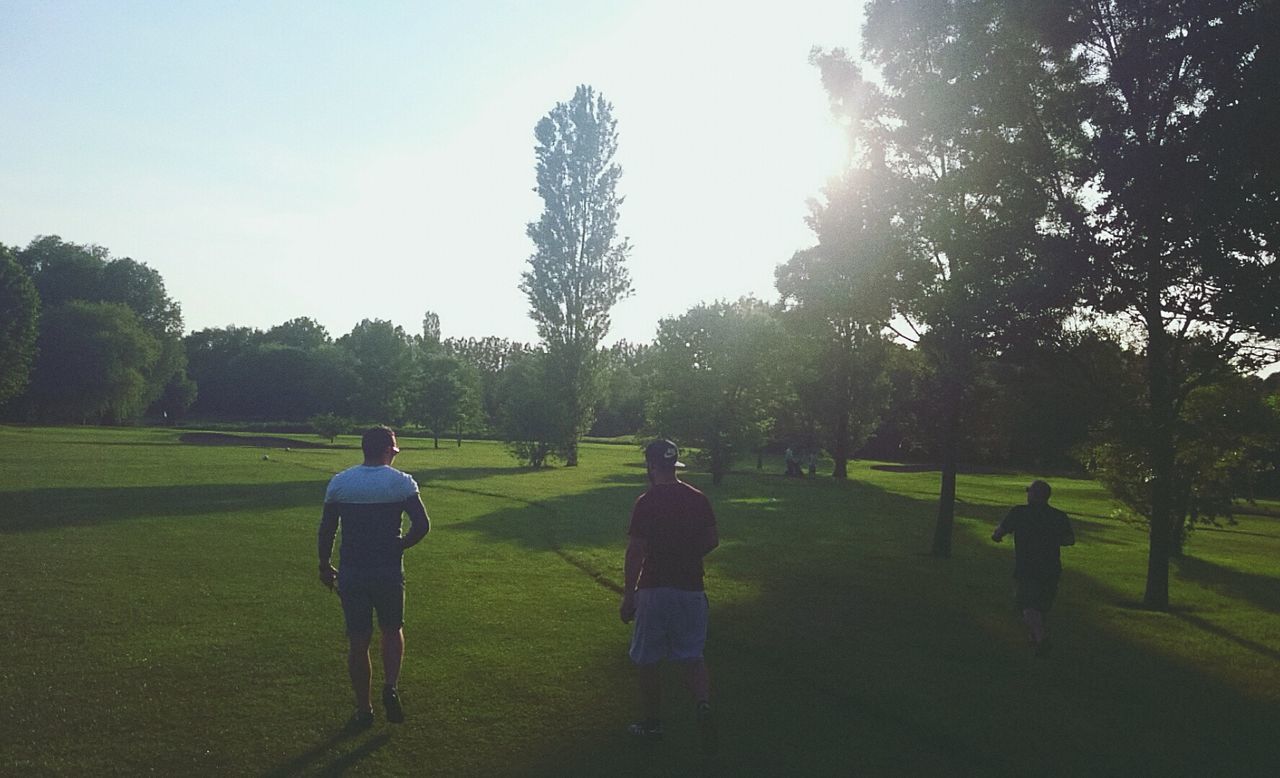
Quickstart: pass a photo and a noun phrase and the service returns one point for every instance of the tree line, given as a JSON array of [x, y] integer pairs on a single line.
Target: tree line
[[1054, 245]]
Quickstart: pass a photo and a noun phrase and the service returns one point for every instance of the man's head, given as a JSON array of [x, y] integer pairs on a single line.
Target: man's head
[[662, 457], [379, 445], [1038, 492]]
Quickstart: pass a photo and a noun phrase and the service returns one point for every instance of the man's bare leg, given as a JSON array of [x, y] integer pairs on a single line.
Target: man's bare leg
[[392, 655], [359, 669]]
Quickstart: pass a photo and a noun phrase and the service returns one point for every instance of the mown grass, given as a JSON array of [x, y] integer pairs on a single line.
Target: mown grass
[[162, 616]]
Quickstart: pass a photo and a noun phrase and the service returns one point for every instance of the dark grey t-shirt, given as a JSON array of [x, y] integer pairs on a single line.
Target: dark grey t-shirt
[[371, 501], [1039, 532]]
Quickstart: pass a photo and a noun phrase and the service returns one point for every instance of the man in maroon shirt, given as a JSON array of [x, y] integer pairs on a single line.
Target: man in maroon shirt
[[672, 529]]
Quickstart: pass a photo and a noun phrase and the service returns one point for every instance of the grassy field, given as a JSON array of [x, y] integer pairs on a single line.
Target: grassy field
[[161, 615]]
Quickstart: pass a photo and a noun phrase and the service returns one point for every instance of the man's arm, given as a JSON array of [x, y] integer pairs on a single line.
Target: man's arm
[[637, 549], [710, 538], [1068, 534], [1002, 528], [324, 542], [419, 522]]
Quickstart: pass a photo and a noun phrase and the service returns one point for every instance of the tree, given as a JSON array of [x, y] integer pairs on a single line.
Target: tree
[[577, 272], [620, 409], [439, 399], [210, 354], [1187, 208], [384, 367], [301, 333], [93, 363], [329, 425], [835, 309], [488, 358], [977, 122], [19, 317], [528, 409], [713, 379], [64, 272]]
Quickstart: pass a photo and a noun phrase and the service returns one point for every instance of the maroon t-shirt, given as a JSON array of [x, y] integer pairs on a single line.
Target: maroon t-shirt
[[674, 519]]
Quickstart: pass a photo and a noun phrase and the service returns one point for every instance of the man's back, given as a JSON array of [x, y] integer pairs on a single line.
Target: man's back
[[1039, 531], [675, 519], [370, 500]]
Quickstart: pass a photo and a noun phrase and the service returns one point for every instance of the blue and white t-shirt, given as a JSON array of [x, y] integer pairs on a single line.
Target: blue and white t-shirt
[[371, 501]]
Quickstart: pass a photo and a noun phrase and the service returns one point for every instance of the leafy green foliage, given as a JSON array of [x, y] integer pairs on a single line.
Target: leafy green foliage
[[19, 317], [715, 374], [94, 362], [330, 425], [529, 416], [383, 363], [65, 273]]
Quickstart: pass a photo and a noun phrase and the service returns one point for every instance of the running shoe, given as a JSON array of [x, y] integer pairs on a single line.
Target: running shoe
[[391, 701]]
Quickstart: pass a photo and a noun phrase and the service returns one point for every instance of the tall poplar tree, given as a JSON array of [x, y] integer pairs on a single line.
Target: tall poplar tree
[[577, 272]]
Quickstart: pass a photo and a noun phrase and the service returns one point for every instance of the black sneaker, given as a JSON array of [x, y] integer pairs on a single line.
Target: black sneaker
[[391, 701], [360, 720], [650, 729], [707, 732]]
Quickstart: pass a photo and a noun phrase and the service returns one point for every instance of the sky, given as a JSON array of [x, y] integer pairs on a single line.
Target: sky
[[346, 161]]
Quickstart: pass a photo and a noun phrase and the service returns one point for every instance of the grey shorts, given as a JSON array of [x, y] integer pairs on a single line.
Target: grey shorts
[[364, 593], [670, 624]]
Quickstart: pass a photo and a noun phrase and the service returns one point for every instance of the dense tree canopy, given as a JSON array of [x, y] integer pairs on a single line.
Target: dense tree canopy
[[715, 374], [19, 317]]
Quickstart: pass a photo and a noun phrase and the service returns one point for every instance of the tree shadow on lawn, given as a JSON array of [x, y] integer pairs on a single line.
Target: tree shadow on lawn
[[861, 654], [447, 474], [40, 509], [309, 761], [1261, 590]]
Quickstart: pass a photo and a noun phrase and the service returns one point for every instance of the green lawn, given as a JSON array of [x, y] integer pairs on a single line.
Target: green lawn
[[162, 616]]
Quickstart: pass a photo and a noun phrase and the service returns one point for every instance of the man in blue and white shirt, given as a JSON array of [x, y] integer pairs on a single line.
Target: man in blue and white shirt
[[368, 501]]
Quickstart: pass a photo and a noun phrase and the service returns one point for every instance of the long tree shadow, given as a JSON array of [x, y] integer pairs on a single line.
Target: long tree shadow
[[39, 509], [1261, 590], [856, 654]]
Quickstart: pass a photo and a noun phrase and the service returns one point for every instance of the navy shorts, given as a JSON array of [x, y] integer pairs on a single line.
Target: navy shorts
[[1038, 593], [363, 594]]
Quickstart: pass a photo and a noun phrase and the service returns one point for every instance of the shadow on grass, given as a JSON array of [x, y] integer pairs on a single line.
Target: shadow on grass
[[1261, 590], [40, 509], [309, 761], [851, 652]]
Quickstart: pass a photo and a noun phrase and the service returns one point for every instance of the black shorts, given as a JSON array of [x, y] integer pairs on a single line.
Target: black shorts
[[362, 594], [1038, 593]]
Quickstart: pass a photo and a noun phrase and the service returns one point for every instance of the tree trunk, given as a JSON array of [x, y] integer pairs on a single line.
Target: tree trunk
[[1160, 397], [840, 451], [947, 494], [571, 454], [436, 438]]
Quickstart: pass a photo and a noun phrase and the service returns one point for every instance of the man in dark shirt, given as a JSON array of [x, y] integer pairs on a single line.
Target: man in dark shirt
[[672, 529], [368, 501], [1039, 531]]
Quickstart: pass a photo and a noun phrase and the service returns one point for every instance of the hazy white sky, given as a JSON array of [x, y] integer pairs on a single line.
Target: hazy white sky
[[375, 160]]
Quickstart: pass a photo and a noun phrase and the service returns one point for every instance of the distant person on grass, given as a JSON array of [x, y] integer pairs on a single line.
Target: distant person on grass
[[368, 501], [672, 528], [1039, 531]]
